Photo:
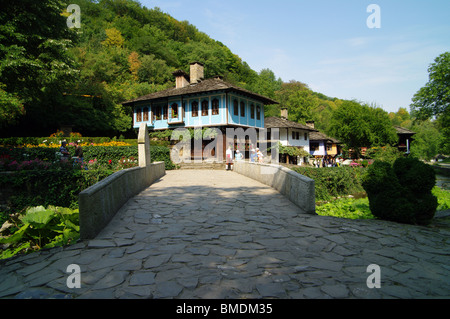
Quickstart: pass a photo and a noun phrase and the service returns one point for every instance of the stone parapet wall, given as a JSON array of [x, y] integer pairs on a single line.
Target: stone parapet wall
[[297, 188], [99, 203]]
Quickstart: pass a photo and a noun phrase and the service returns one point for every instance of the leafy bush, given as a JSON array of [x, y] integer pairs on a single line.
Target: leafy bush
[[102, 154], [401, 192], [332, 182], [384, 153], [49, 187], [162, 154], [39, 228], [443, 197], [56, 140]]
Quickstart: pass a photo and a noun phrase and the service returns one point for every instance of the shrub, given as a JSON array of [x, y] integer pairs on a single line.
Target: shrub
[[102, 154], [384, 153], [401, 192], [333, 181], [49, 187]]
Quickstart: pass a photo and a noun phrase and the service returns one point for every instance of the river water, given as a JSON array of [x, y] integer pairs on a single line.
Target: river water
[[443, 182]]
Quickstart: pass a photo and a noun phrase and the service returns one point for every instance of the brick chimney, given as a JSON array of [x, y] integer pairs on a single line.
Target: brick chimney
[[181, 79], [197, 72], [284, 113], [311, 124]]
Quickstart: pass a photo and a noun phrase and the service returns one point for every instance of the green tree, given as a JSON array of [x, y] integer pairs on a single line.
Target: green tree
[[34, 59], [427, 140], [401, 118], [360, 125], [10, 108], [266, 83], [153, 70], [432, 100], [113, 38], [301, 106]]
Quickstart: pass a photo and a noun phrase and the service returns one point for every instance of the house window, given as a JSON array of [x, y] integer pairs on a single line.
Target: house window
[[242, 109], [305, 136], [145, 114], [205, 106], [165, 110], [174, 110], [215, 107], [252, 111], [293, 135], [236, 108], [157, 113], [329, 147], [297, 135], [138, 115], [258, 113], [194, 109], [314, 147]]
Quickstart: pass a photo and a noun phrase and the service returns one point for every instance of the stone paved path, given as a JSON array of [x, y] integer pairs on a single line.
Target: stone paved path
[[227, 236]]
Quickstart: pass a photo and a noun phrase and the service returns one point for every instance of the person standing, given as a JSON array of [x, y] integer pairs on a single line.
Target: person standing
[[252, 155], [229, 155], [78, 154], [65, 153], [238, 156]]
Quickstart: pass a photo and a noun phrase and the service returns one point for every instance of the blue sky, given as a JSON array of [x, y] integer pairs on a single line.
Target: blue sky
[[327, 43]]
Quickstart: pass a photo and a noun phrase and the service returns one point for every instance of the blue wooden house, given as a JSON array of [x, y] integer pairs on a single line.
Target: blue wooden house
[[198, 102]]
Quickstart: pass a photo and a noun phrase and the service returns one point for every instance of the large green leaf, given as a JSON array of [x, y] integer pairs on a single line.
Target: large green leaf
[[16, 237], [38, 217]]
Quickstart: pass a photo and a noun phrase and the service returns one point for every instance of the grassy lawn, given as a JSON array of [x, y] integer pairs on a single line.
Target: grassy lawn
[[353, 208], [350, 208]]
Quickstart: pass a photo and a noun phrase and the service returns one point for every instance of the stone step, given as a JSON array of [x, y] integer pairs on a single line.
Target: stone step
[[204, 165]]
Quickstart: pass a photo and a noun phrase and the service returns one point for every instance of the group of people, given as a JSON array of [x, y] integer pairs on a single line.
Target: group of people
[[65, 154], [255, 156], [326, 162]]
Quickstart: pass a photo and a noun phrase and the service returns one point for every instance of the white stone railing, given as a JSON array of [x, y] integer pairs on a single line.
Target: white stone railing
[[297, 188], [99, 203]]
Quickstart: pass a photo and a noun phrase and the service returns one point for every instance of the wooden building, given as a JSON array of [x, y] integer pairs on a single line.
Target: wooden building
[[198, 102], [405, 137], [291, 134]]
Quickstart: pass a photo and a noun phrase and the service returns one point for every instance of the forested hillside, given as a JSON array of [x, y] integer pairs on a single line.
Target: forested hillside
[[52, 75]]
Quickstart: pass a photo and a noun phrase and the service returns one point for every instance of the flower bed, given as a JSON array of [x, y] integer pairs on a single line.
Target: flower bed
[[34, 176], [107, 156]]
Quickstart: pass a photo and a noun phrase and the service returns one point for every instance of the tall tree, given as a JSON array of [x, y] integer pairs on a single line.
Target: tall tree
[[433, 100], [33, 54], [360, 125]]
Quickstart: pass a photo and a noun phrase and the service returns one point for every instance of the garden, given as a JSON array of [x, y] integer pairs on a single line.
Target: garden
[[363, 192], [39, 192]]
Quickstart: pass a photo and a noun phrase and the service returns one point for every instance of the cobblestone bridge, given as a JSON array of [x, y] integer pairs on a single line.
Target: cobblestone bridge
[[217, 234]]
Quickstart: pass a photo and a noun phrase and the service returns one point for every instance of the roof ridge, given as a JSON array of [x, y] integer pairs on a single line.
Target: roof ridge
[[200, 87]]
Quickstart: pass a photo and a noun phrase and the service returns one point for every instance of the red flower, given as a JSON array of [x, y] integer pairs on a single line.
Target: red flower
[[110, 161]]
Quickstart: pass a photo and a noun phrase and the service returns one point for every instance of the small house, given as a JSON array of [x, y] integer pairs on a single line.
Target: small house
[[405, 137], [291, 135]]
